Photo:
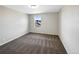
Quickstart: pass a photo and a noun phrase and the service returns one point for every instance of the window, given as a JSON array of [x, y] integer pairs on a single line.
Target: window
[[37, 20]]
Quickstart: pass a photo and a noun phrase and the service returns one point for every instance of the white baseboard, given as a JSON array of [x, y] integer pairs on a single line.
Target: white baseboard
[[12, 38], [64, 44]]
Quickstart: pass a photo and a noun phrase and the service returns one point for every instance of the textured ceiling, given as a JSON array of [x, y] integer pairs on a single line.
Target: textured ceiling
[[40, 9]]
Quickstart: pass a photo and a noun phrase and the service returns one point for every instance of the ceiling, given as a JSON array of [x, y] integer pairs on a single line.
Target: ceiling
[[40, 9]]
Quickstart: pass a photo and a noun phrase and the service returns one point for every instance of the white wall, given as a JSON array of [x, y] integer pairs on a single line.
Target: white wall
[[12, 24], [49, 23], [69, 28]]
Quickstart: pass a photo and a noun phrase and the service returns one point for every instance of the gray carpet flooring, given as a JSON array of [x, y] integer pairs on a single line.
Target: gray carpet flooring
[[33, 43]]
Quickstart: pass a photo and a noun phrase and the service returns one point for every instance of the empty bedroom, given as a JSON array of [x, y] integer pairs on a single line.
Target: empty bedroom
[[39, 29]]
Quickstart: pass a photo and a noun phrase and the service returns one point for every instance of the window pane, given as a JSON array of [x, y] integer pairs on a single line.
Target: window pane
[[37, 17]]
